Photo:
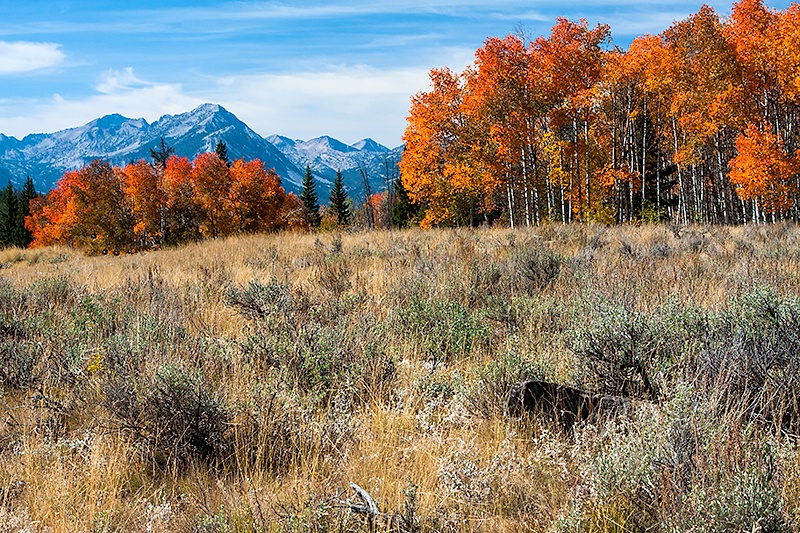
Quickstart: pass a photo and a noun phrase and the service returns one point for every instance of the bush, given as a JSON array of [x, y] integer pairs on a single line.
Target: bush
[[537, 267], [616, 351], [18, 360], [173, 414], [480, 285], [445, 330], [743, 501], [332, 274], [491, 382], [319, 351], [260, 301], [752, 357]]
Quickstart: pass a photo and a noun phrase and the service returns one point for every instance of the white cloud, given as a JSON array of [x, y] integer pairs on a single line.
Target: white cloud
[[348, 103], [118, 92], [121, 81], [22, 56]]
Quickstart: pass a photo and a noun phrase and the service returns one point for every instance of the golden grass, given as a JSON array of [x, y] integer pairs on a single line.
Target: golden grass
[[71, 468]]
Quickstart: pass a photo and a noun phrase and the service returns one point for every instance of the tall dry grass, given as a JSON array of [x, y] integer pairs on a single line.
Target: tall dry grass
[[243, 384]]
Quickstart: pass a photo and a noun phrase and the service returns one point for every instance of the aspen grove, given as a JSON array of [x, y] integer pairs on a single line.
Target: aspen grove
[[696, 124]]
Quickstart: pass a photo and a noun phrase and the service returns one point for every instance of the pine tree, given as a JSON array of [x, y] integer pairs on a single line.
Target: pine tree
[[23, 236], [8, 213], [309, 198], [403, 210], [222, 152], [339, 201]]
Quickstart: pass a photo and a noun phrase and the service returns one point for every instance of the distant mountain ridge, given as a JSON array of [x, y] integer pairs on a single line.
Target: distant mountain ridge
[[119, 140]]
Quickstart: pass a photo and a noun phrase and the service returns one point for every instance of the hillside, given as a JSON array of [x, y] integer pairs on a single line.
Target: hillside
[[243, 384]]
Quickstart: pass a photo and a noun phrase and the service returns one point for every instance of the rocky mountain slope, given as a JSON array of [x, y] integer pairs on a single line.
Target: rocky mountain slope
[[118, 139]]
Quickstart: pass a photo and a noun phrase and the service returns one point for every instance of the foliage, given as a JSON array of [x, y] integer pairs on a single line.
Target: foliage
[[538, 267], [222, 152], [751, 357], [260, 301], [404, 211], [172, 413], [762, 170], [565, 128], [144, 207], [9, 209], [445, 330]]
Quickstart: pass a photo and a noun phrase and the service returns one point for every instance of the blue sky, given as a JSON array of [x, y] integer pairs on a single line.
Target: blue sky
[[300, 69]]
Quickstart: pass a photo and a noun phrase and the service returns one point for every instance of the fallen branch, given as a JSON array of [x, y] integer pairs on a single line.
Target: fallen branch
[[369, 508]]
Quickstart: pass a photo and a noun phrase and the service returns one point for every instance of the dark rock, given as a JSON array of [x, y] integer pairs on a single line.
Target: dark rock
[[563, 405]]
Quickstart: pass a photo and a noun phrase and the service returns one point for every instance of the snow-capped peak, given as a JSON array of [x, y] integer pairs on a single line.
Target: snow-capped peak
[[368, 145]]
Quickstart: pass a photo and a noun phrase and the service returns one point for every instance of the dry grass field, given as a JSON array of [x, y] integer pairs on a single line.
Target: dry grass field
[[241, 385]]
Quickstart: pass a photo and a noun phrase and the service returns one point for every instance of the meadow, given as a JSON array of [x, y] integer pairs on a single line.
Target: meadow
[[242, 384]]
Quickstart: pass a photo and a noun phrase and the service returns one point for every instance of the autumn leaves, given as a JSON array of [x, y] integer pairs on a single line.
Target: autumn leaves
[[101, 208], [699, 123]]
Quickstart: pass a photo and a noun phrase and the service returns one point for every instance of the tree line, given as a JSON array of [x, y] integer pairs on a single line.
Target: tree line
[[700, 123], [143, 206]]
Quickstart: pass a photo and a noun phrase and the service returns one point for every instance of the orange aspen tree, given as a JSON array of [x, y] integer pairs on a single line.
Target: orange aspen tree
[[182, 211], [256, 196], [503, 100], [761, 170], [784, 45], [623, 119], [440, 168], [86, 209], [749, 31], [705, 72], [211, 179], [145, 201], [53, 215], [571, 60]]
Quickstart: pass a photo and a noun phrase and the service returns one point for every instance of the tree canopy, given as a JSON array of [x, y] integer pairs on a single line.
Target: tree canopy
[[697, 124]]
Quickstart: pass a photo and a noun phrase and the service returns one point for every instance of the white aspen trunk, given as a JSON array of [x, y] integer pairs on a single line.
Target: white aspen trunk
[[510, 197], [525, 188], [644, 149]]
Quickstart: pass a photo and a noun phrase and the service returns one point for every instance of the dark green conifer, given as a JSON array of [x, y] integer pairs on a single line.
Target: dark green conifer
[[9, 209], [28, 193], [403, 210], [309, 198], [222, 152], [339, 203]]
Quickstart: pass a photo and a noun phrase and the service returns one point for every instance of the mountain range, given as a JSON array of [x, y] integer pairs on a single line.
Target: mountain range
[[119, 140]]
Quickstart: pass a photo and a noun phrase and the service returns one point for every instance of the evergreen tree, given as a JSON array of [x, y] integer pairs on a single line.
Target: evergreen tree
[[28, 193], [339, 201], [8, 214], [403, 210], [222, 152], [309, 198], [160, 154]]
